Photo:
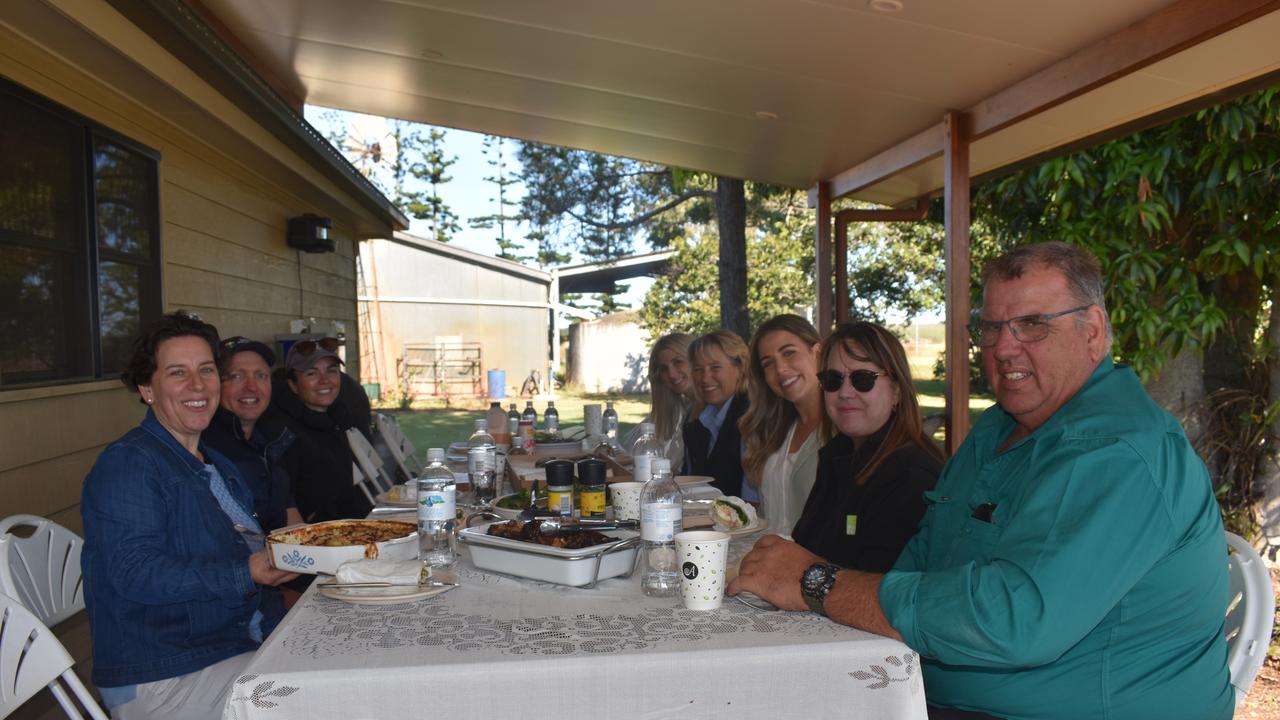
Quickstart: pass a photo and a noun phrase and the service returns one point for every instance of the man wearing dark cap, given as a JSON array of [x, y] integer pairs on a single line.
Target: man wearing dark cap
[[251, 434]]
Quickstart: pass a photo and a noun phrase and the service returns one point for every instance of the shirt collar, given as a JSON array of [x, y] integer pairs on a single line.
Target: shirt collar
[[153, 426]]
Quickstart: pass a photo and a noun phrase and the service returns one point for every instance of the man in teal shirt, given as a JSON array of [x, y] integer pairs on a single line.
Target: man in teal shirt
[[1072, 562]]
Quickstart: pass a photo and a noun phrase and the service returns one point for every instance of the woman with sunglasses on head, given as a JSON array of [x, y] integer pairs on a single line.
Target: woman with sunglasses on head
[[786, 424], [712, 440], [309, 393], [867, 501]]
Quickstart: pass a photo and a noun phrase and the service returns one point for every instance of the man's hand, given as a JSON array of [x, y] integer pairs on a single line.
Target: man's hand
[[264, 573], [772, 570]]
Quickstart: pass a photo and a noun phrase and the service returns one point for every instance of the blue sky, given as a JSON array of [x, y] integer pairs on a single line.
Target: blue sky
[[467, 193]]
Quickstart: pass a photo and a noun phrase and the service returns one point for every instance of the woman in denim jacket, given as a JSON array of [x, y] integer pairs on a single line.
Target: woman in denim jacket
[[173, 557]]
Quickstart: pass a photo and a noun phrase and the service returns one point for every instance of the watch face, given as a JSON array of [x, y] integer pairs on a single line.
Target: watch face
[[813, 578]]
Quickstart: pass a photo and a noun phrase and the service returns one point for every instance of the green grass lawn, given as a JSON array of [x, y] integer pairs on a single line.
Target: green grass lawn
[[437, 427]]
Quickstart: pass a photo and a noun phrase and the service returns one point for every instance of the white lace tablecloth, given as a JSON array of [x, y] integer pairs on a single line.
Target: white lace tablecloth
[[499, 647]]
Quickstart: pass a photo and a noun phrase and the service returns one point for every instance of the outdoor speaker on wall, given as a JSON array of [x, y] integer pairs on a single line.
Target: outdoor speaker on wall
[[310, 233]]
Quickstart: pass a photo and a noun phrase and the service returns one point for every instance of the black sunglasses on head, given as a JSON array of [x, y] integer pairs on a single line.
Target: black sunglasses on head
[[861, 380], [306, 347]]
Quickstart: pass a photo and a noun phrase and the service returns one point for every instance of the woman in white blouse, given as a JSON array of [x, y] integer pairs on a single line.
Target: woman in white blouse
[[785, 424]]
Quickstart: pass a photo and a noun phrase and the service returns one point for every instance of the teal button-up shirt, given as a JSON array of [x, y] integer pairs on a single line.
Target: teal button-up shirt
[[1096, 588]]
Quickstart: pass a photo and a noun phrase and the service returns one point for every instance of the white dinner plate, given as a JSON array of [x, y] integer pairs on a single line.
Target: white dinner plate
[[758, 525], [551, 448], [395, 498], [382, 596], [685, 481]]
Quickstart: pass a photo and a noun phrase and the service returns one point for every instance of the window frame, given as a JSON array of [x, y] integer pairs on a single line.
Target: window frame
[[150, 297]]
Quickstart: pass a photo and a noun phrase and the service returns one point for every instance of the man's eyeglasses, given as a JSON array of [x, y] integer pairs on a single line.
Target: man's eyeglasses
[[1024, 328], [306, 347], [861, 380]]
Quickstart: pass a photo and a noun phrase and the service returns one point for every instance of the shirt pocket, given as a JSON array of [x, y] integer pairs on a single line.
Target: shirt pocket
[[975, 539]]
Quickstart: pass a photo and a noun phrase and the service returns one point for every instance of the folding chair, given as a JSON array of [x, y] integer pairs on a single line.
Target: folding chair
[[31, 657], [1250, 610], [401, 449], [43, 569], [368, 465]]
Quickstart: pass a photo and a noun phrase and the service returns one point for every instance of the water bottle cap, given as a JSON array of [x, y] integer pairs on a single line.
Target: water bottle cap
[[435, 455], [646, 428], [482, 424], [660, 465]]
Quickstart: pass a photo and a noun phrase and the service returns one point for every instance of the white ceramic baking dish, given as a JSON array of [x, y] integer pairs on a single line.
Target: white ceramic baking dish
[[312, 559]]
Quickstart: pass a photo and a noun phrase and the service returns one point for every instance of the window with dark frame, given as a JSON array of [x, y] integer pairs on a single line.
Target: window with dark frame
[[79, 243]]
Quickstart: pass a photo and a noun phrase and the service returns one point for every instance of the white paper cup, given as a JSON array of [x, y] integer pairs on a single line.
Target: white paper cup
[[702, 556], [626, 500]]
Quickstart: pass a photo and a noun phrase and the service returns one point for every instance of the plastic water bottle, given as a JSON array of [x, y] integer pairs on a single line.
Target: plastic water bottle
[[610, 424], [482, 461], [530, 414], [551, 419], [646, 449], [661, 517], [437, 512]]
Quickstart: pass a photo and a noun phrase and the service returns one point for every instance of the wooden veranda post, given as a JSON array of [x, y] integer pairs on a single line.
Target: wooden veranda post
[[956, 197], [822, 251]]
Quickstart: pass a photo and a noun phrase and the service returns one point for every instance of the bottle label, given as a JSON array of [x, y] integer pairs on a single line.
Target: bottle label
[[483, 461], [643, 463], [659, 522], [592, 502], [437, 505], [560, 501]]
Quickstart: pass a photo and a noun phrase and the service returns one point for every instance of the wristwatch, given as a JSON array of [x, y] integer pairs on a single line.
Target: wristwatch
[[815, 583]]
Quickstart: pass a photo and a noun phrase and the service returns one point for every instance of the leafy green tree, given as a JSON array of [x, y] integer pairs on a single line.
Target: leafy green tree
[[502, 179], [779, 262], [600, 204]]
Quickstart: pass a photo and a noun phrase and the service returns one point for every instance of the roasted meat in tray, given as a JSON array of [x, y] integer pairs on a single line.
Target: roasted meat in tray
[[532, 532]]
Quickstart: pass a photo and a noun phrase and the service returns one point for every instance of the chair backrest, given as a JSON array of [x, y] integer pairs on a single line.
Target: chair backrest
[[31, 658], [43, 569], [367, 460], [401, 449], [1250, 612]]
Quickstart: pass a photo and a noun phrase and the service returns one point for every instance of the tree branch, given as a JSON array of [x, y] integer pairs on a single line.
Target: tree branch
[[643, 217]]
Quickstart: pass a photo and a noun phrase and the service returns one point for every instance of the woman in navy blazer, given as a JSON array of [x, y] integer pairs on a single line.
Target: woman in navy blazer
[[713, 443]]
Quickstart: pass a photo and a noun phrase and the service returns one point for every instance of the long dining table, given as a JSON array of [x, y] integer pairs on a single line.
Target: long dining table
[[499, 646]]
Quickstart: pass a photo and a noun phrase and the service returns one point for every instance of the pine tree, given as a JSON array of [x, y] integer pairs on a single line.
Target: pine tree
[[507, 247]]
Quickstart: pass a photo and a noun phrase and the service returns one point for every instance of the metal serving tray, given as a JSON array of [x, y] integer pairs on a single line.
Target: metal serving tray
[[577, 568]]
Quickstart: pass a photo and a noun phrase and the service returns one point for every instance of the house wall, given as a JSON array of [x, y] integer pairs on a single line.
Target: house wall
[[608, 355], [223, 254], [406, 279]]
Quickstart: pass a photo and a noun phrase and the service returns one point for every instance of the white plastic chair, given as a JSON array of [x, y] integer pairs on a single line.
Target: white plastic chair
[[402, 450], [368, 464], [1251, 609], [43, 569], [31, 657]]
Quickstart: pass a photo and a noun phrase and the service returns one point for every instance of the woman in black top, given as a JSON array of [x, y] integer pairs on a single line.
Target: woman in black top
[[867, 500], [306, 393], [712, 441]]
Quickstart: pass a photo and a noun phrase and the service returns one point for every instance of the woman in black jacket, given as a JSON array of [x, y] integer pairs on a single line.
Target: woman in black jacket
[[308, 393], [867, 501]]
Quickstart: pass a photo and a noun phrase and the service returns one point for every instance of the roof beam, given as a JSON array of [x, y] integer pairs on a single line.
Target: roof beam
[[918, 148], [1164, 33], [1151, 39]]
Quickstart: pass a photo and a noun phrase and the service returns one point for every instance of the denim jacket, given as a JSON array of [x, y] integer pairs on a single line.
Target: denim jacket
[[166, 575]]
